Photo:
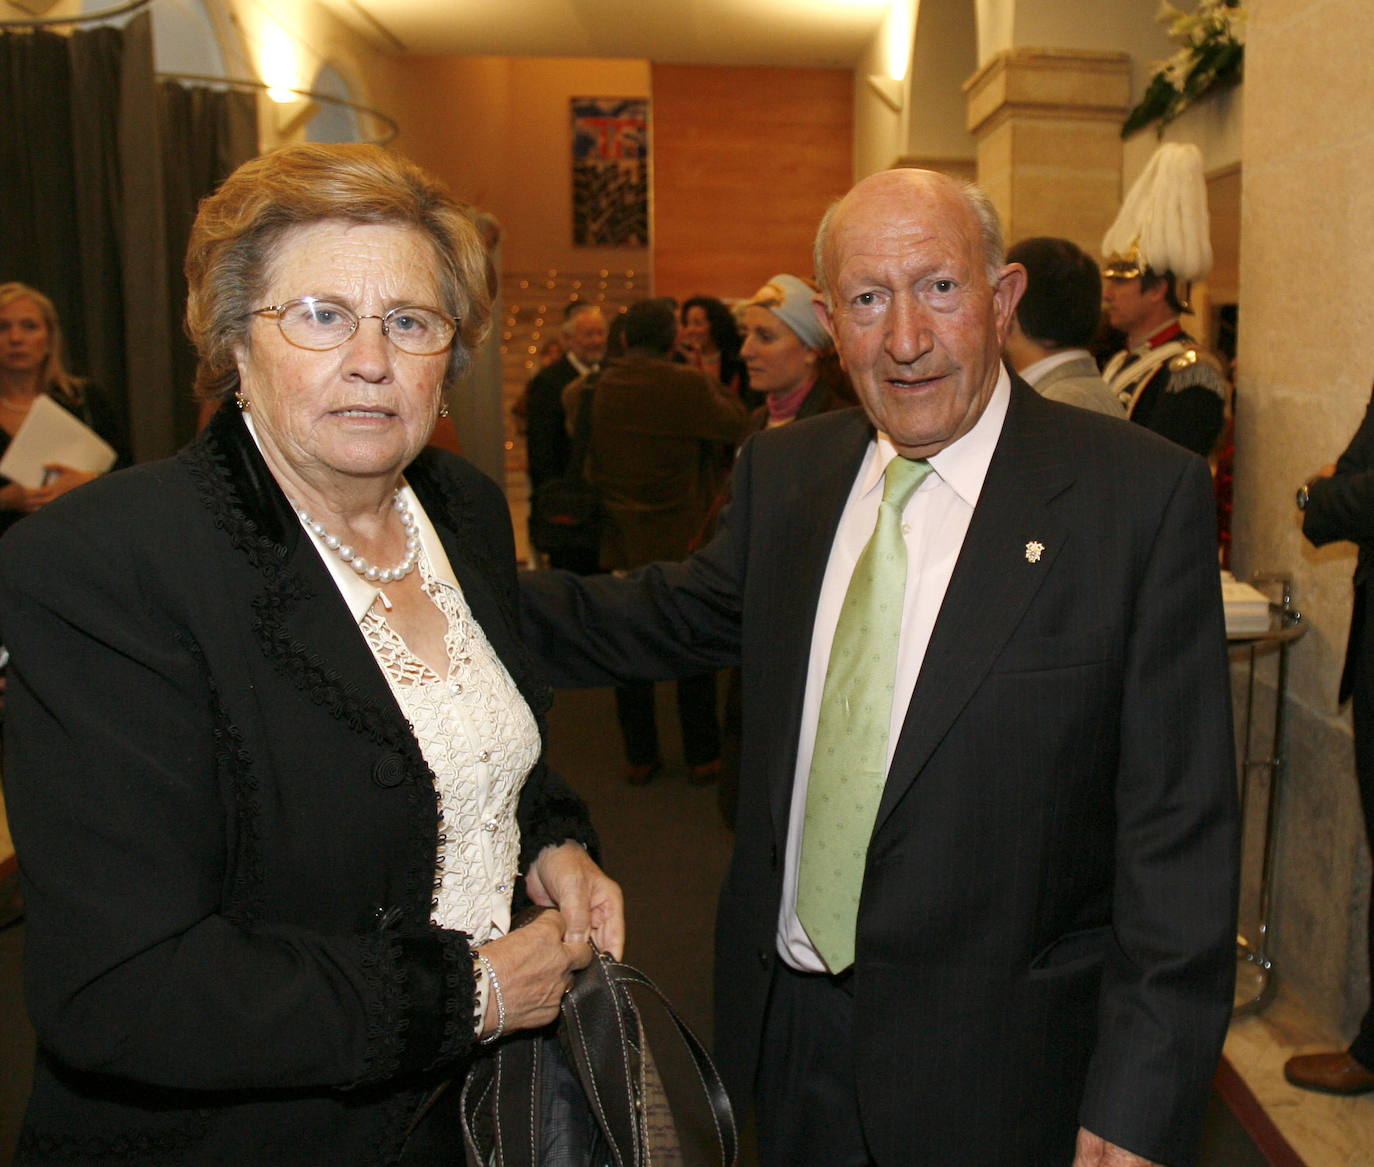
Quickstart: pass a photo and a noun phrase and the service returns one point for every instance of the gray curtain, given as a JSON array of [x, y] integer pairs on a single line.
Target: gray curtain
[[97, 188], [206, 134], [37, 179]]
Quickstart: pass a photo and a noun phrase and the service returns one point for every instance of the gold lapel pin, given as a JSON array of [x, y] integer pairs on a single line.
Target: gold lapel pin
[[1034, 549]]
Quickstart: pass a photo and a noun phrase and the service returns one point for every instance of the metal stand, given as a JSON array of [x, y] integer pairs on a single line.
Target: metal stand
[[1255, 970]]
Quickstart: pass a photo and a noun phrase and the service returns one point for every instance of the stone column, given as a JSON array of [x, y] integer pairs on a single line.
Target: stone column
[[1306, 360], [1048, 127]]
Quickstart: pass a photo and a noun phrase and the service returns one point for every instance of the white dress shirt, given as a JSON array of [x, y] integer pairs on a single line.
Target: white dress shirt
[[934, 523]]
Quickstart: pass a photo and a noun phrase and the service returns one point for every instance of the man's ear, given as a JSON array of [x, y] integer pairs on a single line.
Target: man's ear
[[827, 319], [1006, 294], [822, 310]]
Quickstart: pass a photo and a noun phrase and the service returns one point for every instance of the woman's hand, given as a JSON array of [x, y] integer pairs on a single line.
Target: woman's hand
[[14, 497], [565, 877], [534, 967], [59, 479]]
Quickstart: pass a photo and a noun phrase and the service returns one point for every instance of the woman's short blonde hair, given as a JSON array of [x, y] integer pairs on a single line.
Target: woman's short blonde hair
[[53, 377], [240, 227]]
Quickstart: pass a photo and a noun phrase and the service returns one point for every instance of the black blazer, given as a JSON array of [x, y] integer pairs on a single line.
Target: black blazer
[[226, 829], [1342, 507], [1046, 933]]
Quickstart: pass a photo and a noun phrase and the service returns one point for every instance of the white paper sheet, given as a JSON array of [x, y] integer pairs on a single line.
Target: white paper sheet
[[50, 436], [1246, 608]]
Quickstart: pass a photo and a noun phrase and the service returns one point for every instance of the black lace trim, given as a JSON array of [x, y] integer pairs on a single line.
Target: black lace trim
[[379, 957], [460, 989], [558, 821]]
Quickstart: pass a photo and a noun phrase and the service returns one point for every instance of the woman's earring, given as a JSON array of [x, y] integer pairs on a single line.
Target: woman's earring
[[443, 409], [241, 401]]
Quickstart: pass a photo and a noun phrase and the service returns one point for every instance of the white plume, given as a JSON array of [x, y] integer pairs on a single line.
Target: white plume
[[1164, 215]]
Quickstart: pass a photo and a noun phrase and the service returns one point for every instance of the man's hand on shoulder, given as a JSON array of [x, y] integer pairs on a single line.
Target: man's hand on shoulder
[[1095, 1151]]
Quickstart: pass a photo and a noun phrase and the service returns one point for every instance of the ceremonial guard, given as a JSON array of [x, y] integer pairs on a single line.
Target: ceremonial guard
[[1157, 247]]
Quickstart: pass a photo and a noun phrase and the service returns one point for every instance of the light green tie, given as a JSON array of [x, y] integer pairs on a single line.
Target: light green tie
[[849, 763]]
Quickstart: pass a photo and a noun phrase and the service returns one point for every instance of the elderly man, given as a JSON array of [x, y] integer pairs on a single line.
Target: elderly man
[[546, 433], [980, 910]]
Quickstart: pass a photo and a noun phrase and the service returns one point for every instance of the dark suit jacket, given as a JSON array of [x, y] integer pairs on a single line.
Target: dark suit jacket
[[226, 829], [1342, 507], [547, 443], [1046, 932]]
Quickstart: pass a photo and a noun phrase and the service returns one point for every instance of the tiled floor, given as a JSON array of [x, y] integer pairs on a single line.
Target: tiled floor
[[1324, 1130]]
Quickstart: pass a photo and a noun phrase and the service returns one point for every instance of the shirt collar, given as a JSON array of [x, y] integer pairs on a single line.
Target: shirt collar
[[1032, 373], [360, 594], [963, 464], [581, 366]]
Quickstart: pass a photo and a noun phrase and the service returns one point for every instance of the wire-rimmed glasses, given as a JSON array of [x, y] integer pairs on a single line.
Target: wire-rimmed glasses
[[320, 325]]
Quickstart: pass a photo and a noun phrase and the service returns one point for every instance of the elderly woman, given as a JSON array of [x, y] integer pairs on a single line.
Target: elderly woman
[[789, 356], [32, 363], [275, 764]]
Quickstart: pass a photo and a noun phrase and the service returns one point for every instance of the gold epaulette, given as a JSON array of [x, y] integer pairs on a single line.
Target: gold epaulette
[[1192, 356]]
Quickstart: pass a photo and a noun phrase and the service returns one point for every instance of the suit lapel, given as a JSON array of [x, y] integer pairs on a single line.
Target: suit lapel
[[995, 578]]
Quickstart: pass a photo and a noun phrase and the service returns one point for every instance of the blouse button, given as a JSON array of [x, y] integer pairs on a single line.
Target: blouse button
[[490, 826], [455, 688], [484, 756], [501, 887]]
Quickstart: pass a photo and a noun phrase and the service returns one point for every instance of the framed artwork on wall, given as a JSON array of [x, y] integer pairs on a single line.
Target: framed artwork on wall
[[610, 161]]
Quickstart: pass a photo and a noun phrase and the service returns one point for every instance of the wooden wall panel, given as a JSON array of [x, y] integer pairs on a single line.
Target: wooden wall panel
[[745, 161]]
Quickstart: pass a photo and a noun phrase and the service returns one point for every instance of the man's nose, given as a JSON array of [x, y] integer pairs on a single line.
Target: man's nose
[[909, 335]]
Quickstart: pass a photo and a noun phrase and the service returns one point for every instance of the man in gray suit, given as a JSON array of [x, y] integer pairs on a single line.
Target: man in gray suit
[[1054, 323]]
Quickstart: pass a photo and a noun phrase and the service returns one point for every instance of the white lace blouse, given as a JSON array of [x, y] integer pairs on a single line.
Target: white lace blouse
[[473, 728]]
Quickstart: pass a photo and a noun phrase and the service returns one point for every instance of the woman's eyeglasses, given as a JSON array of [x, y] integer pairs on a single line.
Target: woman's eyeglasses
[[322, 324]]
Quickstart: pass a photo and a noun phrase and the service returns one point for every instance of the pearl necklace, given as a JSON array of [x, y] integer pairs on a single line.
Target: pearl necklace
[[370, 571]]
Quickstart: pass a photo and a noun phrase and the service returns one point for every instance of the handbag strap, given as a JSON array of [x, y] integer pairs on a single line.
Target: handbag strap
[[597, 1012], [498, 1095]]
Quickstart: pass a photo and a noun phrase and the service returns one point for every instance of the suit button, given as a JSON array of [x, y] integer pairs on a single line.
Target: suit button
[[765, 958], [773, 856], [389, 771]]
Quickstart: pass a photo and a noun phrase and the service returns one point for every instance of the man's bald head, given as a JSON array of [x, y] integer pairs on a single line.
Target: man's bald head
[[919, 184]]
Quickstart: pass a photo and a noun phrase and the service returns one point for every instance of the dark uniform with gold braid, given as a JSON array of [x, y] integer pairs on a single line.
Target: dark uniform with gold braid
[[1173, 386]]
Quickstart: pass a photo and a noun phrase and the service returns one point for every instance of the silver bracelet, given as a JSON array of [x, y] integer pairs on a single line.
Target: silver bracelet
[[497, 1033]]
